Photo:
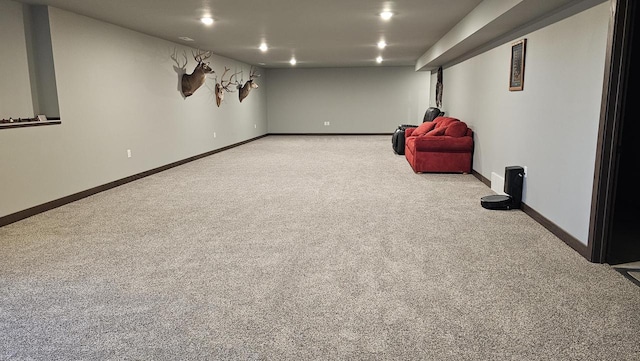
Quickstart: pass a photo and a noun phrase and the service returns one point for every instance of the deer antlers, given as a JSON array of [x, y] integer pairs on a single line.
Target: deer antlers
[[223, 85], [252, 73], [201, 56], [174, 57]]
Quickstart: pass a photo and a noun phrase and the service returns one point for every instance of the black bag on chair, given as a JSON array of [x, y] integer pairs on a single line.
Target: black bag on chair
[[397, 140], [431, 114]]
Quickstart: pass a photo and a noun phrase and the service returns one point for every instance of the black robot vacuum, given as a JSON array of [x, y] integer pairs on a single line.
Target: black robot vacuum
[[513, 180]]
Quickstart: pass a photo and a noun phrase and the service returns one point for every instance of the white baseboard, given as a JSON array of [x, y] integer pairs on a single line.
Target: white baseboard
[[497, 183]]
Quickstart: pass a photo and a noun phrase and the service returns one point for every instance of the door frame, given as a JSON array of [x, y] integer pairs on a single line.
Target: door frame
[[617, 63]]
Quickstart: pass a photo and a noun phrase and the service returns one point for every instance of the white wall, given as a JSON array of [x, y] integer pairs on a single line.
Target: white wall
[[15, 89], [551, 127], [117, 90], [353, 100]]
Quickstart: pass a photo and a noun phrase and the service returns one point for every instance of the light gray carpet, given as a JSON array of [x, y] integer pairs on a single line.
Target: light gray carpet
[[296, 248]]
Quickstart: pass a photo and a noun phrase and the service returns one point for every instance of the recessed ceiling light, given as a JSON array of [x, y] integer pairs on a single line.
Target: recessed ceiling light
[[185, 38], [382, 44], [293, 61], [379, 60], [386, 15], [207, 20], [263, 47]]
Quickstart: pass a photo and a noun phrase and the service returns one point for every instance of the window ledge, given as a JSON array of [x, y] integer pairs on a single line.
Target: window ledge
[[30, 124]]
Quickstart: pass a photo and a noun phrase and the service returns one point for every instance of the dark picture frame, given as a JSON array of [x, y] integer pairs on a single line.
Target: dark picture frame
[[516, 74]]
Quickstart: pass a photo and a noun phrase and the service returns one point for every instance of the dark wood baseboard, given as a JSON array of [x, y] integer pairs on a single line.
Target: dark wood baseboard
[[565, 237], [14, 217], [331, 134], [570, 240], [481, 178]]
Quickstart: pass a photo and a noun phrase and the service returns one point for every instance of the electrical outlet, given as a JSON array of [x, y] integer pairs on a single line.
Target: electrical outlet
[[255, 126], [525, 171], [214, 134], [326, 124], [128, 153]]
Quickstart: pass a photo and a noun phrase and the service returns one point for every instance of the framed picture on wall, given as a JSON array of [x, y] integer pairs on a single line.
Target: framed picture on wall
[[516, 77]]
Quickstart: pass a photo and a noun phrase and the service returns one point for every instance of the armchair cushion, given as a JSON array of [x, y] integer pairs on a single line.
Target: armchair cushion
[[456, 129], [423, 129], [437, 132]]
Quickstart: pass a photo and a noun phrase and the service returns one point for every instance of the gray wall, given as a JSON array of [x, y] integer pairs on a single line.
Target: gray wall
[[117, 90], [551, 127], [352, 100], [15, 89]]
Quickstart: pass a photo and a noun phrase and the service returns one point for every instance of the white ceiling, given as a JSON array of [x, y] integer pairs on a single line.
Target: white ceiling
[[328, 33], [319, 33]]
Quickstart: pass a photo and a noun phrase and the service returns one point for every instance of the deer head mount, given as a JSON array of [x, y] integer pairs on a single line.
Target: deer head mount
[[191, 82], [250, 84], [223, 85]]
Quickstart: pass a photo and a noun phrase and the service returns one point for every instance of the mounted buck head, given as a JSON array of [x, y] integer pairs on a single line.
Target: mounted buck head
[[191, 82], [246, 87], [223, 86]]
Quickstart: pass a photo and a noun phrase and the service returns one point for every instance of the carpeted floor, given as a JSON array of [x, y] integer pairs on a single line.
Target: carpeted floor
[[299, 248], [630, 270]]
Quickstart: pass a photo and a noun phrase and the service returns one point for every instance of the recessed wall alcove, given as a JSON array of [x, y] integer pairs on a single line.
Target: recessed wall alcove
[[28, 73]]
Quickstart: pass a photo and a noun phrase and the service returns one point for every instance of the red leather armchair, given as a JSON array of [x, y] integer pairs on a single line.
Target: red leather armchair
[[442, 146]]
